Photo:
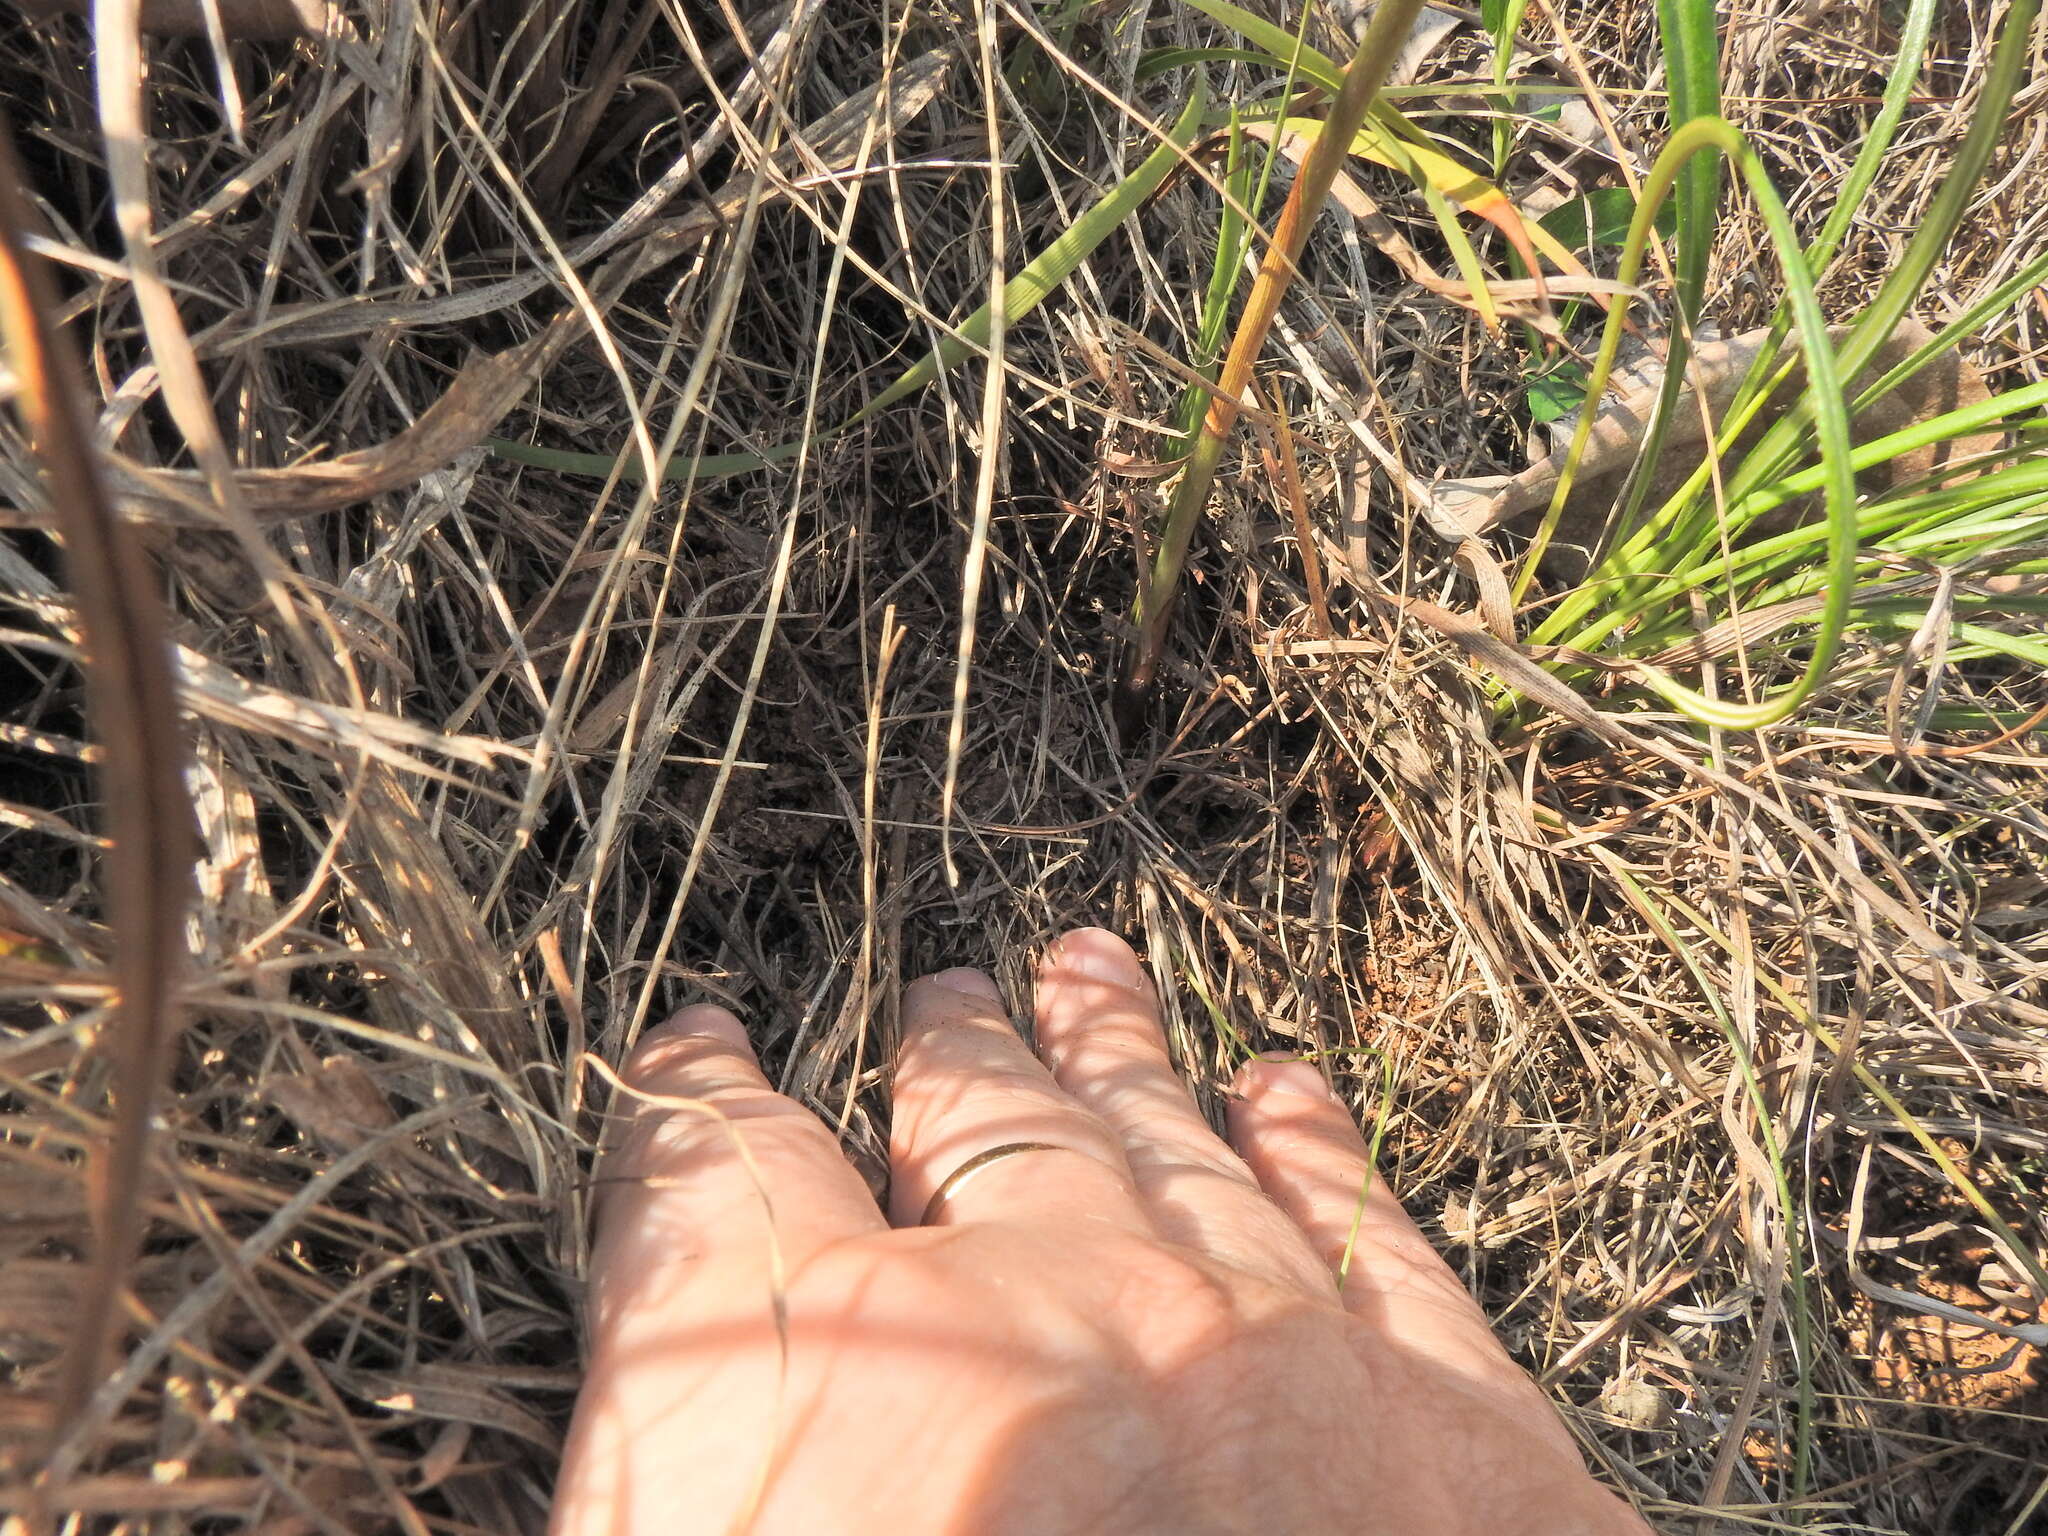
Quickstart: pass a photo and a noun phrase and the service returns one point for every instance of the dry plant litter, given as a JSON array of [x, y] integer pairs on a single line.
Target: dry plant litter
[[1716, 1060]]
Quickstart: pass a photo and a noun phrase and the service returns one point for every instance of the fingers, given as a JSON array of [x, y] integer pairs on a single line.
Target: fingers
[[1099, 1031], [715, 1193], [709, 1156], [1309, 1156], [981, 1132]]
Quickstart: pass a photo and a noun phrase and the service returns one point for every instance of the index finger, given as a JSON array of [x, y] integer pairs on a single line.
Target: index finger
[[714, 1168], [716, 1195]]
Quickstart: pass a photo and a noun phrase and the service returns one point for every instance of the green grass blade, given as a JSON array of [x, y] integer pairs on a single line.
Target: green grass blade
[[1241, 202], [2001, 497], [1719, 137], [1282, 46], [1021, 294], [1052, 266], [1930, 241], [1233, 232], [1692, 64], [1965, 421], [1503, 20], [1463, 255], [1960, 329], [1692, 54], [1877, 142], [1163, 61], [1902, 288]]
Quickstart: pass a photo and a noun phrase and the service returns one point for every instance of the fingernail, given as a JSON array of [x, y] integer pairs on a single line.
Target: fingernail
[[1100, 956], [710, 1019], [968, 982], [1291, 1075]]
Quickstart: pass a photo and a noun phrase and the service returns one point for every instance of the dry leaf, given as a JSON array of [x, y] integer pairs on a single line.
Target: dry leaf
[[145, 879], [1717, 371], [340, 1104]]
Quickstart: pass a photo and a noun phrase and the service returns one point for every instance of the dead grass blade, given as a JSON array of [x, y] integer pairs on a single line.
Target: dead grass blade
[[146, 880]]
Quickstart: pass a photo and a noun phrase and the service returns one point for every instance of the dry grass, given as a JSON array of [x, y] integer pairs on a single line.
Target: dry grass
[[494, 766]]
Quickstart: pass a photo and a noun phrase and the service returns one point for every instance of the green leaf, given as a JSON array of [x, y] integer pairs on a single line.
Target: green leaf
[[1281, 44], [1601, 217], [1557, 392], [1159, 61]]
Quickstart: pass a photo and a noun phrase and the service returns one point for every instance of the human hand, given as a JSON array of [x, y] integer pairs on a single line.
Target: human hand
[[1119, 1325]]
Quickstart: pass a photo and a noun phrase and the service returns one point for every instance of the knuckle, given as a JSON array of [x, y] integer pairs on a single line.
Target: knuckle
[[767, 1121], [1104, 1054], [1162, 1156]]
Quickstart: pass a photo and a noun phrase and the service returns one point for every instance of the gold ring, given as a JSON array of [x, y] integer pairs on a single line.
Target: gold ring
[[976, 1164]]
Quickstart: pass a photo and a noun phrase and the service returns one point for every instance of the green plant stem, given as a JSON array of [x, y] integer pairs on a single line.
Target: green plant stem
[[1391, 22], [1503, 20], [1692, 61]]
